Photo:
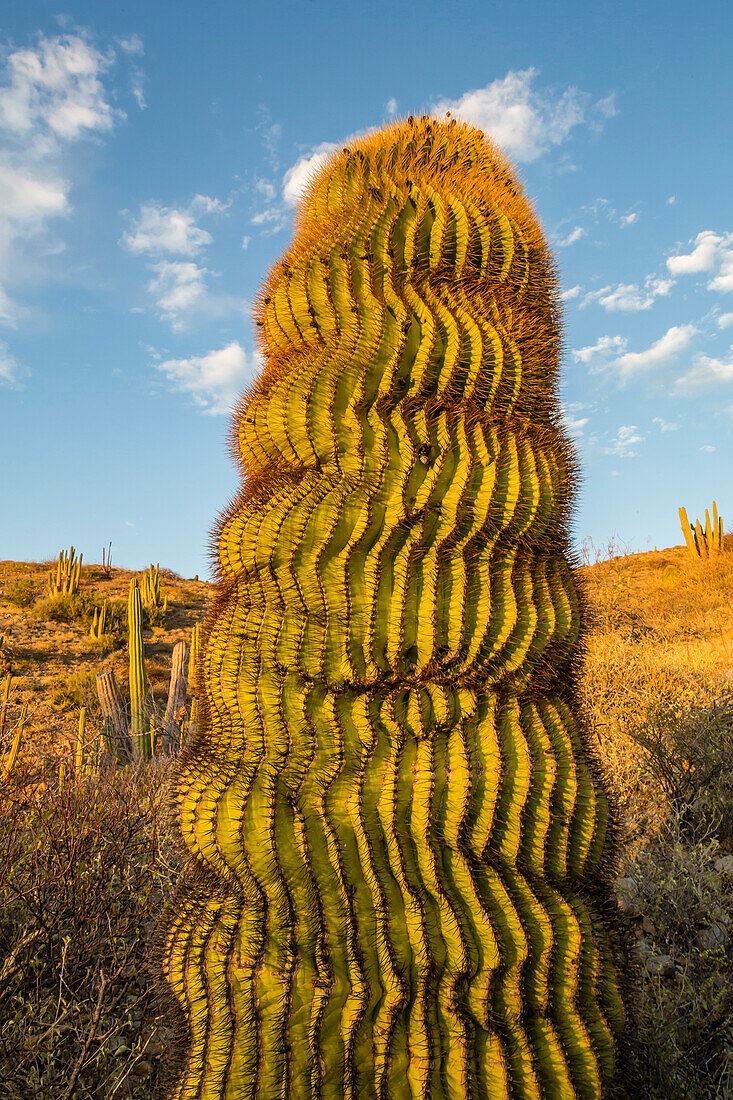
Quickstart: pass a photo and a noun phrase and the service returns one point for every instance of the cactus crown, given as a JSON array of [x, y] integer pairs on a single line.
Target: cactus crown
[[420, 214]]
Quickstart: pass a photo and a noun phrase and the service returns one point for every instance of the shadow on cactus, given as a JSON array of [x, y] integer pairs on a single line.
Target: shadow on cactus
[[399, 841]]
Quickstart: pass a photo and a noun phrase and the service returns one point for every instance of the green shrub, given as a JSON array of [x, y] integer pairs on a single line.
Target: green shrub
[[80, 608], [67, 608], [75, 691], [22, 592]]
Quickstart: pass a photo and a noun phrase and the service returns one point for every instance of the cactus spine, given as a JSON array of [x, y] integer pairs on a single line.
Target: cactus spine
[[68, 573], [400, 848], [703, 542]]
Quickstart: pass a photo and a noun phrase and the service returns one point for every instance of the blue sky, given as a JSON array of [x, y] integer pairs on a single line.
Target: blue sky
[[150, 159]]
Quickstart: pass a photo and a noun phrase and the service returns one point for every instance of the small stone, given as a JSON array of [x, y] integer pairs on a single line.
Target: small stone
[[663, 965], [724, 865], [707, 939], [648, 927]]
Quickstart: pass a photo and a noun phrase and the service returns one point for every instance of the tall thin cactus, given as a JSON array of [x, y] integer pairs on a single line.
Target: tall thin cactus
[[98, 626], [8, 758], [141, 733], [399, 845]]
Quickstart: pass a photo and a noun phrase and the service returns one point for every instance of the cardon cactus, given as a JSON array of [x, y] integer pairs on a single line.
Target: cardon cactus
[[399, 845]]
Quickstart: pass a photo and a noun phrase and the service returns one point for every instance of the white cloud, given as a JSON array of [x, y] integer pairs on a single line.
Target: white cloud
[[605, 347], [627, 297], [27, 200], [56, 88], [524, 123], [708, 448], [51, 95], [265, 216], [266, 188], [9, 368], [573, 292], [665, 425], [132, 44], [391, 106], [626, 439], [675, 340], [671, 200], [270, 134], [214, 380], [296, 178], [710, 250], [706, 373], [133, 48], [702, 257], [160, 229], [9, 311], [629, 219], [725, 320], [573, 423], [723, 281], [607, 106], [178, 286], [572, 237], [245, 242]]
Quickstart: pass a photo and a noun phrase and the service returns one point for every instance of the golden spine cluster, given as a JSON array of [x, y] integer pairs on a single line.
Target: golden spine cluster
[[398, 840]]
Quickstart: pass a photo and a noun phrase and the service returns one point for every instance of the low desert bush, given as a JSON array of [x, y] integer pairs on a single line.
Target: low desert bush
[[21, 593], [84, 868]]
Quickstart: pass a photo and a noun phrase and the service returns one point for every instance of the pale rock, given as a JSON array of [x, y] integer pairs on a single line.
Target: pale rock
[[663, 965]]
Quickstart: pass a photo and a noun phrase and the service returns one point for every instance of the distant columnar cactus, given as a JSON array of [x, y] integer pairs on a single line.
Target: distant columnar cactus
[[399, 843]]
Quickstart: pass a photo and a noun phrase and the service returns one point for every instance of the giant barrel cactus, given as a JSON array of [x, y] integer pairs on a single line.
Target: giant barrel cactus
[[399, 845]]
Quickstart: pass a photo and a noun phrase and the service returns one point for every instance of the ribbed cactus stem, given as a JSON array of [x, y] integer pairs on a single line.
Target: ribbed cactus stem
[[79, 755], [139, 726], [6, 695], [12, 756], [687, 532], [400, 845], [194, 657], [68, 574], [716, 535]]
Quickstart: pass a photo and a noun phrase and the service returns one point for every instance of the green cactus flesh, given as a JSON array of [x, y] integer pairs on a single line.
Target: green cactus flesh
[[399, 845]]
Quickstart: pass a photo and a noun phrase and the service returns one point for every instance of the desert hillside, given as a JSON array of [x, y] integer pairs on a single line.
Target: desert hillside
[[86, 860]]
